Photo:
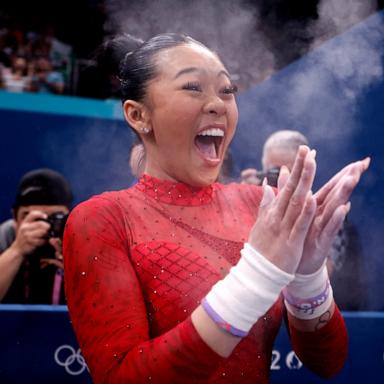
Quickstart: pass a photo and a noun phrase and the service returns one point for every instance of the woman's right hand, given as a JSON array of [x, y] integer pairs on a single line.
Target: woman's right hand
[[284, 220]]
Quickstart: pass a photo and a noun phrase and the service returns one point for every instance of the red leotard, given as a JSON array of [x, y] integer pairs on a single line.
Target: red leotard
[[137, 264]]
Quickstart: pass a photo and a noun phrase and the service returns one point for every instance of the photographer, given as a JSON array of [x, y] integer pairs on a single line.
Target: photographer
[[31, 266]]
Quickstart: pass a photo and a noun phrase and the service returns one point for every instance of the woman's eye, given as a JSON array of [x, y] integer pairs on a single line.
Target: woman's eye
[[231, 89], [192, 87]]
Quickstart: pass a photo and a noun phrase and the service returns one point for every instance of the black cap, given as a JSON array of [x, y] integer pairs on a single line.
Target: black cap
[[43, 187]]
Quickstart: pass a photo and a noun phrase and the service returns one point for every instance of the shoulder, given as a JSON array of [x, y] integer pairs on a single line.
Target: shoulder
[[101, 217], [107, 204], [7, 234], [108, 207]]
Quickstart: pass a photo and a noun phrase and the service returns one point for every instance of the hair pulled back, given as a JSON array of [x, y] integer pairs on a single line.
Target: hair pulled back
[[132, 60]]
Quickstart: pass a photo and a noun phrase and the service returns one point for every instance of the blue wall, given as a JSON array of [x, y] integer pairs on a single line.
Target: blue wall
[[335, 95], [47, 356], [84, 139]]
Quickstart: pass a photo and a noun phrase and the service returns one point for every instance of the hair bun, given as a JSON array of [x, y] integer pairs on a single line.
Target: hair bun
[[111, 53]]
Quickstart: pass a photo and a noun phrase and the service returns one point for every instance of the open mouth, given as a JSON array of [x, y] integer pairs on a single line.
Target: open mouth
[[209, 141]]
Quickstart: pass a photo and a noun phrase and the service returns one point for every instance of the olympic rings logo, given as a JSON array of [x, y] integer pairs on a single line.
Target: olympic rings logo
[[72, 360]]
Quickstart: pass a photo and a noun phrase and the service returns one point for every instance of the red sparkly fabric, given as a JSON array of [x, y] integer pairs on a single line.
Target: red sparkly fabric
[[320, 343], [137, 264]]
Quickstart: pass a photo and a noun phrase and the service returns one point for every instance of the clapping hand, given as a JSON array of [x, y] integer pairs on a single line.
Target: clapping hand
[[332, 207], [284, 219]]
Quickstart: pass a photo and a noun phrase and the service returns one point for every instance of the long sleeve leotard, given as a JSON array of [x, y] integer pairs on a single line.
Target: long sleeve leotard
[[137, 264]]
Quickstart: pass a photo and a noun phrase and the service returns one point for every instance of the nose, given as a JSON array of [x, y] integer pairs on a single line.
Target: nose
[[215, 105]]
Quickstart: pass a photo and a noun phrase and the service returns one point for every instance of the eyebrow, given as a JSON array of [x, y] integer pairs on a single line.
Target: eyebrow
[[195, 69]]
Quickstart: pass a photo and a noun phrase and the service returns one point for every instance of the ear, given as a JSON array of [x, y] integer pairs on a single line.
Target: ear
[[137, 116]]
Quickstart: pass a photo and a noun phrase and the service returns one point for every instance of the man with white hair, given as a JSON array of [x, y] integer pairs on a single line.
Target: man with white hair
[[279, 149]]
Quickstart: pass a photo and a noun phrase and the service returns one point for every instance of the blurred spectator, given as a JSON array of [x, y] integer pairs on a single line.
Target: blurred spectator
[[52, 58], [17, 78], [13, 38], [31, 266], [279, 149], [46, 44], [45, 79], [5, 52], [60, 53]]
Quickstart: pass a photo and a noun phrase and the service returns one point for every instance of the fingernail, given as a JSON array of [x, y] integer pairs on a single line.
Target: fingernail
[[347, 207], [263, 201], [313, 153]]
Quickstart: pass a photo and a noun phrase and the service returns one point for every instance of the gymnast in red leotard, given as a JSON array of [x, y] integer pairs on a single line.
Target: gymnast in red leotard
[[180, 279]]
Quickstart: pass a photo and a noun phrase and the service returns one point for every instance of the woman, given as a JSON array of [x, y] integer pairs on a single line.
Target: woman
[[150, 288]]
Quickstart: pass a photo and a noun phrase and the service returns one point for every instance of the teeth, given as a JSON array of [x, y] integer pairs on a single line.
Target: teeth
[[212, 132]]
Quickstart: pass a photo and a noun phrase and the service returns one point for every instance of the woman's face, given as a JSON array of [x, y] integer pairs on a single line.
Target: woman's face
[[192, 114]]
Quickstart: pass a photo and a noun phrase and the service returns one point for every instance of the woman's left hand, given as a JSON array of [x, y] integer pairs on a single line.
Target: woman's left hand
[[332, 207]]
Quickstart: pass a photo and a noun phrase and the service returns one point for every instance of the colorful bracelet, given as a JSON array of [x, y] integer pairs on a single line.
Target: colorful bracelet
[[221, 322], [308, 305], [309, 296]]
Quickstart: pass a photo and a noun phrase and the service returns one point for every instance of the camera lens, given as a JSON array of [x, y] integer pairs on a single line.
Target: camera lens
[[57, 221]]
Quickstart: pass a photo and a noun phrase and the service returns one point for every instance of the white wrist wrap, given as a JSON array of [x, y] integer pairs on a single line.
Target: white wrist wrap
[[309, 296], [248, 291]]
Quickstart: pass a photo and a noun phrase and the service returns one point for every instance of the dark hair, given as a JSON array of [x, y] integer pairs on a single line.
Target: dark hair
[[131, 60]]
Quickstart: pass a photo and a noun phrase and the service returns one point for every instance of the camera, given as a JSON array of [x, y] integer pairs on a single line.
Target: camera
[[57, 222], [272, 176]]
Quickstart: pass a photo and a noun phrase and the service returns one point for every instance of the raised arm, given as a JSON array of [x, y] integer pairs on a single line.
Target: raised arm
[[316, 325], [268, 261]]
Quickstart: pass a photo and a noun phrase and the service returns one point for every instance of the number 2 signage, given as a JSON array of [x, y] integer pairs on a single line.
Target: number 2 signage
[[291, 360]]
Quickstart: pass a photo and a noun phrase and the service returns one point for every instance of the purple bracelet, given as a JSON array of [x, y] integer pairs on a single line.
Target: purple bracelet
[[221, 322], [309, 304]]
